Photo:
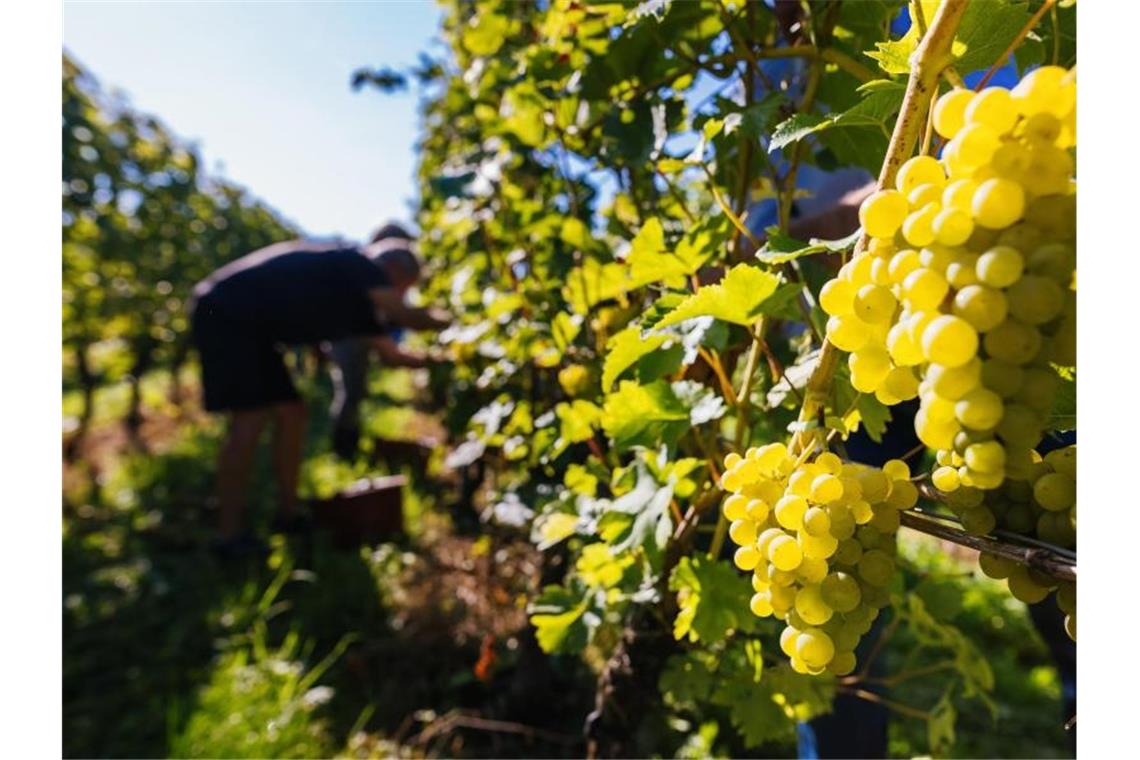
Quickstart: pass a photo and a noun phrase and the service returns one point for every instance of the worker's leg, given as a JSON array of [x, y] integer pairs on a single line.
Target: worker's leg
[[349, 374], [288, 441], [235, 466]]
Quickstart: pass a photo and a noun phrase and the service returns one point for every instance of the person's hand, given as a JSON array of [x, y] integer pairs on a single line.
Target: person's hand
[[441, 317]]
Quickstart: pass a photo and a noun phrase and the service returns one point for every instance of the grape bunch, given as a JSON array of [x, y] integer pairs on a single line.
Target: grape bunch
[[819, 540], [1042, 505], [966, 295]]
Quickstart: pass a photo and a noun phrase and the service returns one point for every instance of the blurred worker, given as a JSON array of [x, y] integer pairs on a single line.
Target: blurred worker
[[350, 359], [247, 313]]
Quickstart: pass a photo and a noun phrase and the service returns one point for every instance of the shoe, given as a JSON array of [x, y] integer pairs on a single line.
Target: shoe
[[299, 524], [244, 546]]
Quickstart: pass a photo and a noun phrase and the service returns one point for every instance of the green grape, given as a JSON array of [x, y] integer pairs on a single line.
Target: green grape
[[1013, 341], [903, 496], [995, 566], [747, 558], [767, 537], [837, 298], [742, 532], [734, 507], [811, 607], [978, 521], [953, 383], [918, 227], [950, 112], [818, 547], [877, 597], [882, 213], [876, 567], [900, 384], [1055, 492], [935, 434], [790, 512], [903, 263], [869, 367], [993, 107], [799, 483], [826, 488], [1019, 426], [782, 597], [1000, 267], [757, 511], [961, 273], [778, 577], [998, 203], [817, 522], [848, 333], [959, 195], [1024, 588], [1038, 388], [849, 551], [812, 570], [875, 303], [919, 170], [1071, 626], [1067, 597], [788, 638], [761, 604], [784, 553], [815, 648], [923, 195], [924, 289], [983, 307], [950, 341], [1001, 377], [844, 662], [953, 226], [1035, 300], [1053, 260], [988, 456], [829, 463], [976, 144], [1063, 461], [903, 349], [945, 479], [885, 518], [1042, 127], [980, 409]]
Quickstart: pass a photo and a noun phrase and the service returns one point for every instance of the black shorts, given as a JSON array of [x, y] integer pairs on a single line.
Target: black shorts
[[240, 368]]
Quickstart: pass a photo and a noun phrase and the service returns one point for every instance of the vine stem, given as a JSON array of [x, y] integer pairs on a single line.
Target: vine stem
[[1025, 30], [1046, 561], [898, 707], [931, 57]]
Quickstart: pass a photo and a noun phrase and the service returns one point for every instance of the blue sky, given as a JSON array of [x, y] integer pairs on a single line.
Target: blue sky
[[263, 89]]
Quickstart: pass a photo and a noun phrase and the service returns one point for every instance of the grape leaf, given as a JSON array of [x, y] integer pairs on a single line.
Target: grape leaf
[[876, 110], [780, 248], [643, 414], [560, 622], [598, 567], [623, 351], [1063, 417], [712, 599], [592, 283], [579, 418], [738, 298]]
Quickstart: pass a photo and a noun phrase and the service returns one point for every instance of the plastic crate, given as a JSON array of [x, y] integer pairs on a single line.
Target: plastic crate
[[370, 510]]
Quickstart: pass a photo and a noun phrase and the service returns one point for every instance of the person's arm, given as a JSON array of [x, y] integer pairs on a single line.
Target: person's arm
[[391, 307], [392, 355]]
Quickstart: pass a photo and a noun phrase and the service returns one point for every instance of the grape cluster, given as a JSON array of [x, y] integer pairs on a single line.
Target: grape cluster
[[819, 540], [965, 294], [1042, 505]]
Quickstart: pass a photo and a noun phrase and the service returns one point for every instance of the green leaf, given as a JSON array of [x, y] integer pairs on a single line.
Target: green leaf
[[650, 262], [592, 283], [564, 328], [711, 597], [624, 349], [599, 567], [738, 298], [986, 31], [486, 35], [876, 110], [580, 480], [780, 248], [558, 619], [630, 520], [642, 415], [579, 418], [1063, 417], [940, 727]]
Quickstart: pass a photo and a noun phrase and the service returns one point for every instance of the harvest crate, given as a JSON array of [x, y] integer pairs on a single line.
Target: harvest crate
[[369, 510]]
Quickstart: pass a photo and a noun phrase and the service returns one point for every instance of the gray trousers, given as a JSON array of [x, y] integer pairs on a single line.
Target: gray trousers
[[350, 378]]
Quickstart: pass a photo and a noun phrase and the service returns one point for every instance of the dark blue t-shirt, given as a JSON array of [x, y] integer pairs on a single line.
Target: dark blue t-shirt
[[300, 291]]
